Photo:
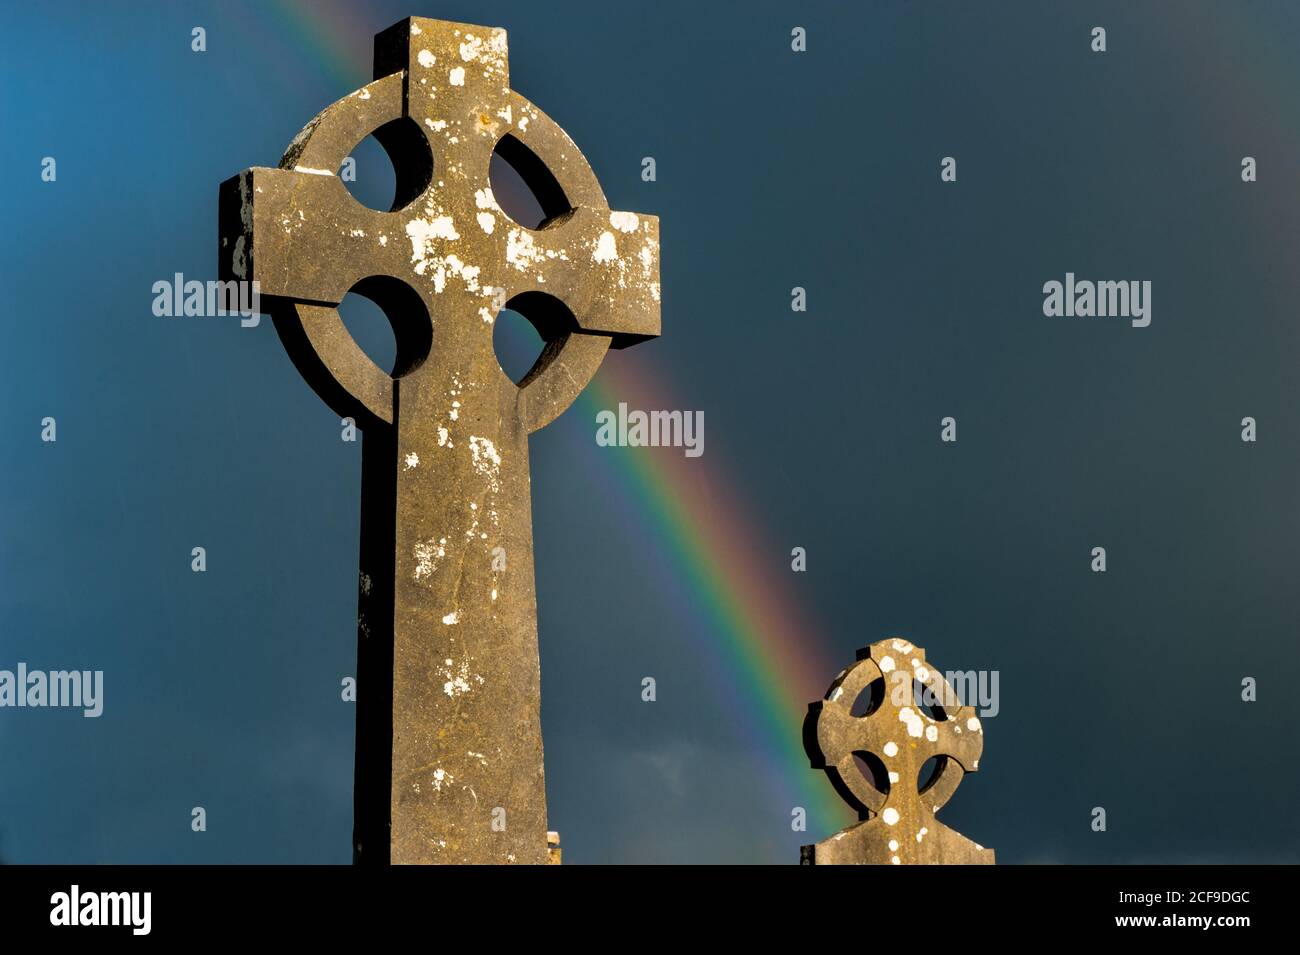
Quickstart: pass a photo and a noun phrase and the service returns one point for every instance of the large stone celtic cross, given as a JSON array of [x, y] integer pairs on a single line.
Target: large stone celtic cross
[[449, 746], [893, 738]]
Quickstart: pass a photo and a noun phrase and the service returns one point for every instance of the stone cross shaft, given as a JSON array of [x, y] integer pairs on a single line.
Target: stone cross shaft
[[449, 746], [894, 737]]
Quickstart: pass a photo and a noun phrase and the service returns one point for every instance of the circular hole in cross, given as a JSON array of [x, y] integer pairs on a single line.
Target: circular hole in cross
[[873, 770], [522, 354], [517, 344], [928, 699], [388, 321], [869, 700], [523, 186], [390, 167], [930, 772]]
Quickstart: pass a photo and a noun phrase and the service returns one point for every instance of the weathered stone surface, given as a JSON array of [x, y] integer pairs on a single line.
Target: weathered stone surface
[[449, 746], [899, 826]]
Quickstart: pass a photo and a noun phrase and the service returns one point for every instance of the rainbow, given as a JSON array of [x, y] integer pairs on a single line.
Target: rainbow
[[761, 646], [765, 652]]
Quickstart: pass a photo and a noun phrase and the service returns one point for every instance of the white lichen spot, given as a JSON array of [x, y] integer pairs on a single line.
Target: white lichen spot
[[932, 733], [891, 748], [893, 845], [412, 461], [444, 440], [890, 816], [894, 860], [487, 222], [458, 679], [441, 776], [424, 234], [902, 646], [893, 776], [426, 59], [921, 833], [521, 250], [383, 240], [457, 76], [606, 250], [973, 725], [427, 555], [624, 221], [486, 458], [471, 48], [886, 664], [452, 618], [359, 233], [912, 719], [452, 265], [437, 125]]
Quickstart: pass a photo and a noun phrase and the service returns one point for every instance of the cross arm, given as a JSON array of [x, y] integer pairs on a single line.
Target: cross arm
[[298, 233], [306, 242], [603, 264]]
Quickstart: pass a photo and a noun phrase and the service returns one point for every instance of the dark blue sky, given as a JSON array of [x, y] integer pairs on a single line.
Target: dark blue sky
[[819, 170]]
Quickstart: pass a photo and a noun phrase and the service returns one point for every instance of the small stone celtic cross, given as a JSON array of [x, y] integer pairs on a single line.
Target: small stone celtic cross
[[893, 739], [449, 746]]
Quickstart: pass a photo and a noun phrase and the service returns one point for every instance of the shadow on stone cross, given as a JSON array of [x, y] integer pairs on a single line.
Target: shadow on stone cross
[[449, 746]]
